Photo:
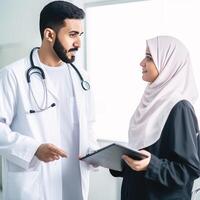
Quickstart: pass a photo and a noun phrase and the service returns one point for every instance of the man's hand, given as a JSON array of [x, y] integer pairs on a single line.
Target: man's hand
[[49, 152], [138, 165]]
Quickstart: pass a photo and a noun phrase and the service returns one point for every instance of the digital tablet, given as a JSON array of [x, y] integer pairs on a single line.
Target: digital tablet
[[110, 156]]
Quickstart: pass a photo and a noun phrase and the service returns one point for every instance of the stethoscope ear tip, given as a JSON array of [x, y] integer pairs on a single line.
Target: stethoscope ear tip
[[32, 111], [36, 111]]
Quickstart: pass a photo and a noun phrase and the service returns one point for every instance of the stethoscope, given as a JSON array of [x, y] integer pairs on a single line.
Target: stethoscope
[[40, 72]]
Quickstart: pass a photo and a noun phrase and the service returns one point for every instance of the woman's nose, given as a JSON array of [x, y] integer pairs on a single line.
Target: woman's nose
[[142, 63]]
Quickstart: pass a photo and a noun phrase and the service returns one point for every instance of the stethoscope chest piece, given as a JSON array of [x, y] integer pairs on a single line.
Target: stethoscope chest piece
[[85, 85]]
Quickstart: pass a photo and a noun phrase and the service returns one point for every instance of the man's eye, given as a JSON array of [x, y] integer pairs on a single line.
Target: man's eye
[[72, 35]]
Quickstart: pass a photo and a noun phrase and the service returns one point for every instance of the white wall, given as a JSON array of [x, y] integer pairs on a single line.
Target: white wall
[[19, 28]]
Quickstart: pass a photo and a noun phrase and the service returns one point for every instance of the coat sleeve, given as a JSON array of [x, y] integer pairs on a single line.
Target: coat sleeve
[[15, 147], [182, 165]]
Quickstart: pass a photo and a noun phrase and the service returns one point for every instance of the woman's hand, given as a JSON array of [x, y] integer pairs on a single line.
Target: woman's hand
[[138, 165]]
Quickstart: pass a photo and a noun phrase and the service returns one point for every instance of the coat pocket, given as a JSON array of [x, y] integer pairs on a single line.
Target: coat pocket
[[23, 186]]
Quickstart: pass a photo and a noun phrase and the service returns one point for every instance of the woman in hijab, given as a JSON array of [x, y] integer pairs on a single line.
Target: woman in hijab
[[164, 127]]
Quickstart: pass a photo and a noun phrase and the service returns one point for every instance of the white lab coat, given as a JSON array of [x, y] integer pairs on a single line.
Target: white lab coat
[[21, 133]]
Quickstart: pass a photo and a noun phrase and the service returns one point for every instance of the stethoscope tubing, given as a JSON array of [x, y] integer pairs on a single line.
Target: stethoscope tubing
[[37, 70], [84, 84]]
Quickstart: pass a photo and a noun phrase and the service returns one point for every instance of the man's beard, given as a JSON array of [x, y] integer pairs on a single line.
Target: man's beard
[[62, 52]]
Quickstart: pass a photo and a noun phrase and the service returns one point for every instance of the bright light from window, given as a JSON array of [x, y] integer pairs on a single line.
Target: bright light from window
[[116, 37]]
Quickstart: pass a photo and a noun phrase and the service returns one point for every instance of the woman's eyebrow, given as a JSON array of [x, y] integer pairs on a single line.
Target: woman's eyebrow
[[148, 54]]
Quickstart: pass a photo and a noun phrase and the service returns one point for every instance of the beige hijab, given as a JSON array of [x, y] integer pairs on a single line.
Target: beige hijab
[[174, 83]]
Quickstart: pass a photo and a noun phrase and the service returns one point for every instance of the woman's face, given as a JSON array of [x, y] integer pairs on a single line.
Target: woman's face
[[149, 70]]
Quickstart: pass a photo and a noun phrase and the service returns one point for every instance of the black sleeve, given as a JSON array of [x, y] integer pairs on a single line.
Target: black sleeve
[[183, 164], [116, 173]]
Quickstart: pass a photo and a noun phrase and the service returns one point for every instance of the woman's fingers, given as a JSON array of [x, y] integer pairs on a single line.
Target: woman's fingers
[[138, 165]]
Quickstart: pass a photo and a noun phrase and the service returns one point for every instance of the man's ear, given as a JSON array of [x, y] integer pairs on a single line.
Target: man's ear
[[49, 34]]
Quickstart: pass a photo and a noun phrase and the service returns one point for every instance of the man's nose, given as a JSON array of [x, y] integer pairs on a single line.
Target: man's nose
[[77, 42]]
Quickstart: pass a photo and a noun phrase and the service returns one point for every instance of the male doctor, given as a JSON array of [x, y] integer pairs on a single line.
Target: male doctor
[[46, 115]]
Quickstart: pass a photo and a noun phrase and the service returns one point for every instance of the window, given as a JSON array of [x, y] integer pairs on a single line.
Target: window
[[115, 41]]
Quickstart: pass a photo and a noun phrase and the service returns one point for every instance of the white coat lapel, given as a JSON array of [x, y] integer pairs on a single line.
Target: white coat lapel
[[77, 90], [80, 95]]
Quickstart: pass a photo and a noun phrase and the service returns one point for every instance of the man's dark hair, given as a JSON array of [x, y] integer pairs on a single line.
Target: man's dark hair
[[53, 15]]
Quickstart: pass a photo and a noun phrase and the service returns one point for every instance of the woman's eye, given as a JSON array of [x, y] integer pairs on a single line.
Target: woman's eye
[[149, 58]]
